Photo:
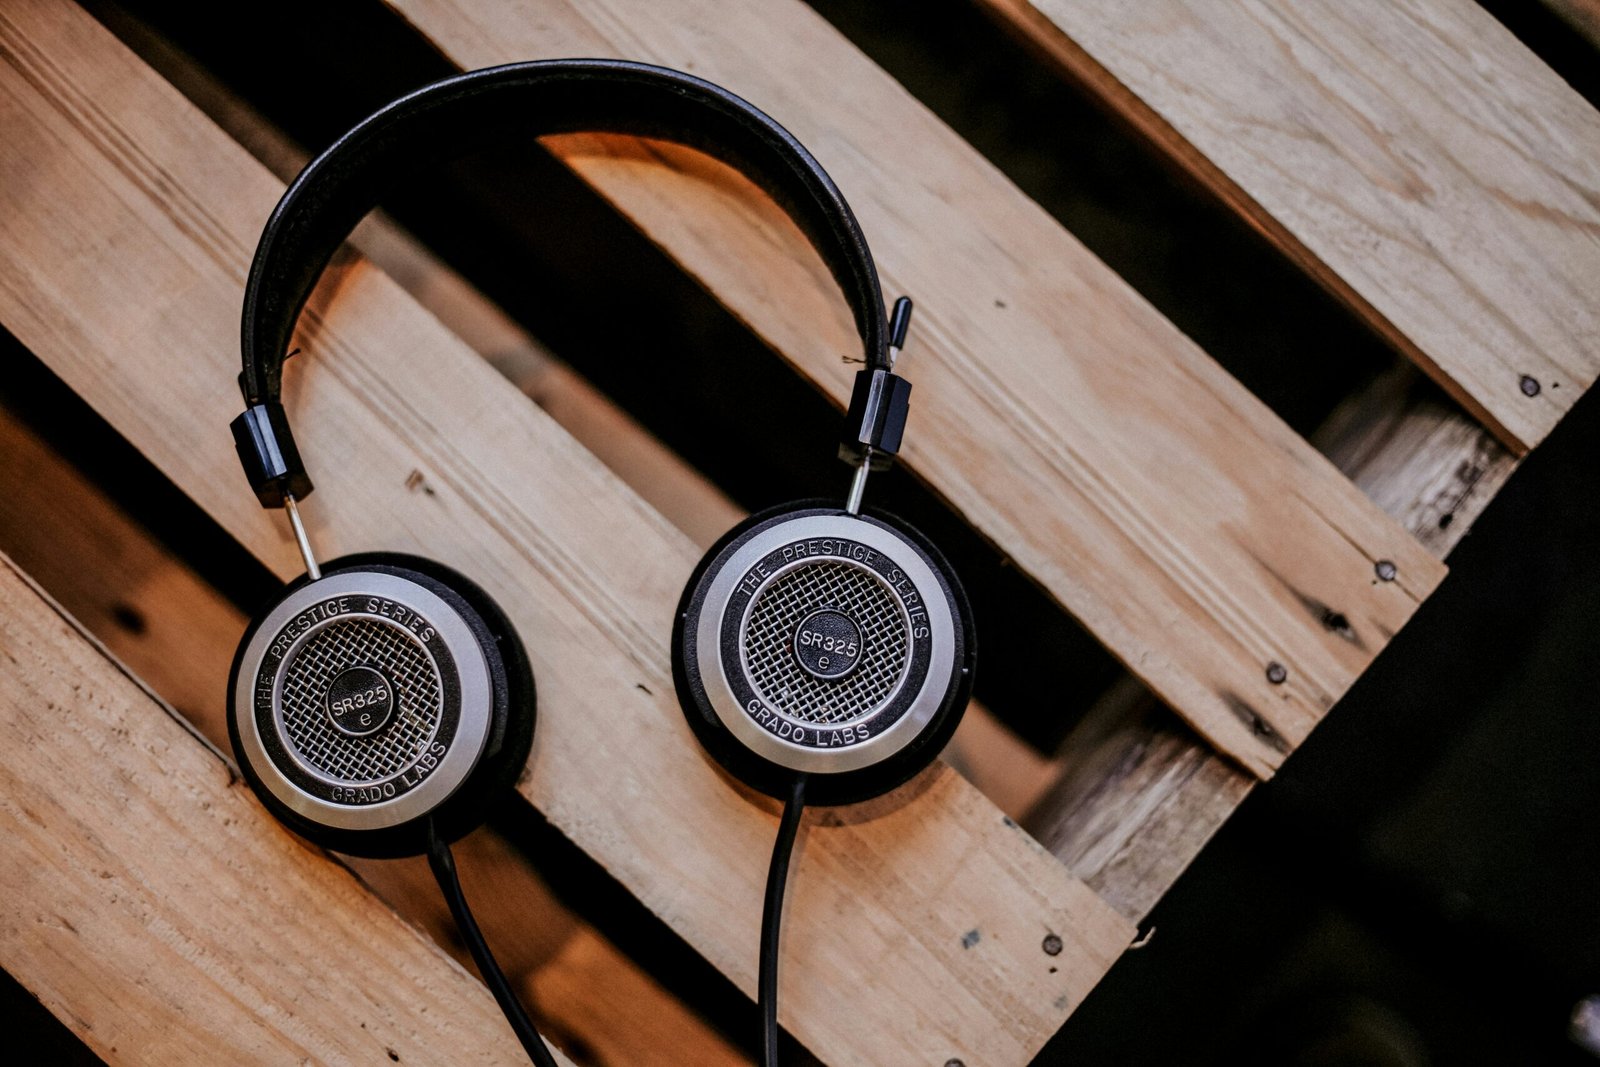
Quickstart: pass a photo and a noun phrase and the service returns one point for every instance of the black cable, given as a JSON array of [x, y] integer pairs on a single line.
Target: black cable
[[444, 870], [772, 920]]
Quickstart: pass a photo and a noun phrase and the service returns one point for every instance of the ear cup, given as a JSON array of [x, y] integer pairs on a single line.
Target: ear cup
[[391, 691], [809, 640]]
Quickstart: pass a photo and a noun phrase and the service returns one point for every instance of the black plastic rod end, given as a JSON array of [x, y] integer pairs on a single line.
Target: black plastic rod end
[[899, 322]]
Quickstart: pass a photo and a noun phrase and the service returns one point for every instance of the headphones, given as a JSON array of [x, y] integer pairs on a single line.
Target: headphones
[[381, 704]]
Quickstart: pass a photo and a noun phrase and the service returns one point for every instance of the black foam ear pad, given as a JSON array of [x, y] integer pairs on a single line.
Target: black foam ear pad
[[391, 691], [813, 641]]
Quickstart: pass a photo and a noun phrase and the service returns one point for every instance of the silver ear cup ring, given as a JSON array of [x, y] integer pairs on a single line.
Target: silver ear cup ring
[[846, 594], [812, 641], [362, 701]]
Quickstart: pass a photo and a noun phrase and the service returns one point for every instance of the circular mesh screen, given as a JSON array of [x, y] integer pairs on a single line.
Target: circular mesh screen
[[361, 643], [769, 643]]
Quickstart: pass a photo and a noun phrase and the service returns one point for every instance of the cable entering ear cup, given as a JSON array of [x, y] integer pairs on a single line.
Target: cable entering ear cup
[[814, 641], [390, 691]]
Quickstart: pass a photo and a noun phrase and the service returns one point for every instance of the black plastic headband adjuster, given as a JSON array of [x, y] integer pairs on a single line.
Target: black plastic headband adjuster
[[267, 450], [879, 404], [876, 420]]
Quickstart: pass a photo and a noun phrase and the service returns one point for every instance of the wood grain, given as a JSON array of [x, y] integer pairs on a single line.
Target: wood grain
[[177, 634], [122, 255], [1138, 794], [160, 913], [1160, 503], [150, 610], [613, 1025], [1411, 155]]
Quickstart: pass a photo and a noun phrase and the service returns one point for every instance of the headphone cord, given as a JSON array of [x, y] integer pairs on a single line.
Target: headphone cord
[[772, 920], [444, 871]]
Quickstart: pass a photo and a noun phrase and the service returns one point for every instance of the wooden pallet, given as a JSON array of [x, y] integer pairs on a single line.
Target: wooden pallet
[[1243, 575]]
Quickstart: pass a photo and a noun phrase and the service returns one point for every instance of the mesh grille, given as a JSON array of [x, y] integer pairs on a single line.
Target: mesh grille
[[769, 643], [364, 643]]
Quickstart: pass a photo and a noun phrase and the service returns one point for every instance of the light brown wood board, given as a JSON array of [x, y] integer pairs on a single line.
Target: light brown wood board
[[1412, 155], [1150, 494], [1137, 793], [177, 634], [129, 225], [163, 916]]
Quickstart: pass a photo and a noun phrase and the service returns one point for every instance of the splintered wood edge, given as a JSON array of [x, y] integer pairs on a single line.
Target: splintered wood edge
[[108, 156], [1196, 602], [136, 899]]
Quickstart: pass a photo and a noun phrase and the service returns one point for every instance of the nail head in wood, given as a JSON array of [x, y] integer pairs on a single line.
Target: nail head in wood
[[1277, 673]]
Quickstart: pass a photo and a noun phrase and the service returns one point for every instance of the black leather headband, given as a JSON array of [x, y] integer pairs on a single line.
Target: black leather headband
[[449, 118]]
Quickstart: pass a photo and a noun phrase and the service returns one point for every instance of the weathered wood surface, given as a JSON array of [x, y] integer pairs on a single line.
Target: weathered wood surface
[[124, 258], [1417, 456], [177, 634], [1170, 511], [1412, 155], [159, 912], [1138, 794]]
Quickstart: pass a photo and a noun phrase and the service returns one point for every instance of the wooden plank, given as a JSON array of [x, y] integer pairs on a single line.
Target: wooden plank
[[587, 961], [152, 612], [1138, 795], [1173, 514], [122, 256], [177, 634], [1413, 157], [157, 911]]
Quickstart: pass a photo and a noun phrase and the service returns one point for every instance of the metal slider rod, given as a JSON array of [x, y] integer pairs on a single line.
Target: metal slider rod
[[300, 537], [858, 484]]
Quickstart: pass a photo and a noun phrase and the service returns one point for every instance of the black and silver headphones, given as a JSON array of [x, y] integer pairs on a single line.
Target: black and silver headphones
[[823, 655], [382, 703]]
